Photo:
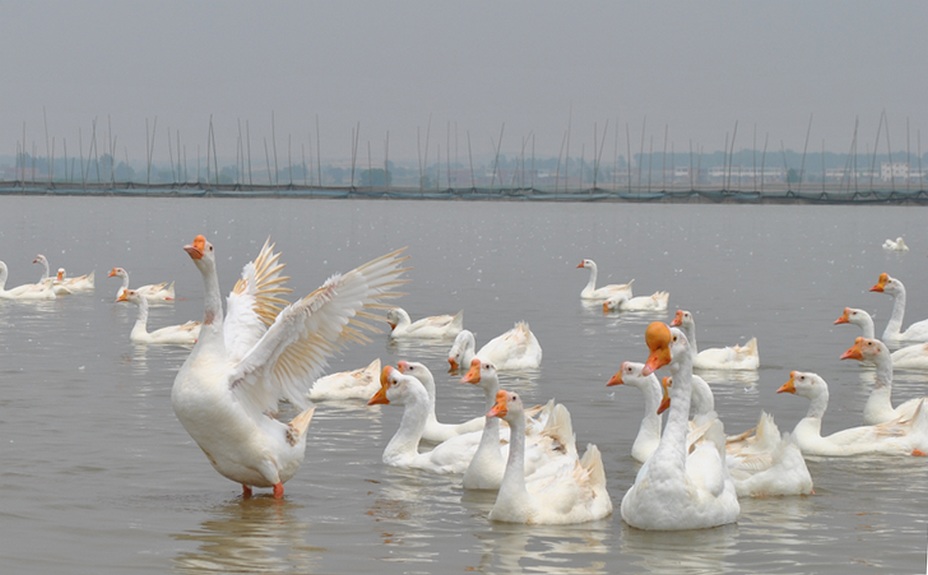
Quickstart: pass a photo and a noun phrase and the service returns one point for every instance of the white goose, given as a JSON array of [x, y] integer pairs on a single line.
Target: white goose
[[657, 301], [675, 490], [431, 327], [914, 357], [515, 350], [897, 245], [243, 364], [25, 291], [591, 292], [879, 406], [575, 495], [735, 357], [435, 431], [46, 280], [649, 431], [900, 437], [359, 383], [181, 334], [765, 463], [550, 442], [760, 461], [452, 456], [894, 333], [77, 284], [163, 291]]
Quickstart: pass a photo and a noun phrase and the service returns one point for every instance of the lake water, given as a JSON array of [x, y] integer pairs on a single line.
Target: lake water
[[99, 477]]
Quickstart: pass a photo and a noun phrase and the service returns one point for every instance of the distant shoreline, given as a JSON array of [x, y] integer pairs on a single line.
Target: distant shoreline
[[779, 194]]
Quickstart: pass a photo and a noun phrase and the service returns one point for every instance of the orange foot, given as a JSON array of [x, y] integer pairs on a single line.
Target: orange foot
[[919, 453], [246, 492], [278, 491]]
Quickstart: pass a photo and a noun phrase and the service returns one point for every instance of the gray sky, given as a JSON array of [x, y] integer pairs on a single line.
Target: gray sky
[[692, 68]]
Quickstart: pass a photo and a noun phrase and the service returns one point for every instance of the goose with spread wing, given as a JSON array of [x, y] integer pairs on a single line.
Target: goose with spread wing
[[263, 350]]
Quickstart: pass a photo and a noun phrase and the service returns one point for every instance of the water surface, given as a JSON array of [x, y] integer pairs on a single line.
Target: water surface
[[99, 477]]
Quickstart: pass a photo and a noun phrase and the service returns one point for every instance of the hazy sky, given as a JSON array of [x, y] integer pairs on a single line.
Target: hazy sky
[[692, 68]]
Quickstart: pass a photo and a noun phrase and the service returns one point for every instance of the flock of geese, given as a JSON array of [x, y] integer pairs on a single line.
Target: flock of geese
[[260, 349]]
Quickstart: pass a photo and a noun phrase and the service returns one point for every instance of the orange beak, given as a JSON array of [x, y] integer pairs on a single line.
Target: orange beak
[[881, 283], [500, 408], [677, 319], [454, 365], [196, 249], [124, 296], [789, 386], [473, 374], [580, 265], [381, 396], [844, 318], [112, 273], [60, 275], [605, 307], [616, 378], [401, 365], [658, 338], [855, 351]]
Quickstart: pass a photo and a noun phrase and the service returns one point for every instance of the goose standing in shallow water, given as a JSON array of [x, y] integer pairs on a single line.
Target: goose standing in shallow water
[[228, 389]]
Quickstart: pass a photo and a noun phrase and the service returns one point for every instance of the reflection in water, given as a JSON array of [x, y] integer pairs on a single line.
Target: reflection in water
[[700, 551], [743, 377], [409, 509], [257, 535], [552, 549]]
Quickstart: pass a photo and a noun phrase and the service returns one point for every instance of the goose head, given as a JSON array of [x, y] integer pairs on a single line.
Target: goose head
[[866, 349], [805, 384], [462, 342], [586, 263], [202, 253], [394, 316], [630, 374], [614, 302], [415, 369], [682, 318], [117, 273], [130, 295], [852, 316], [482, 373], [508, 406], [887, 284]]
